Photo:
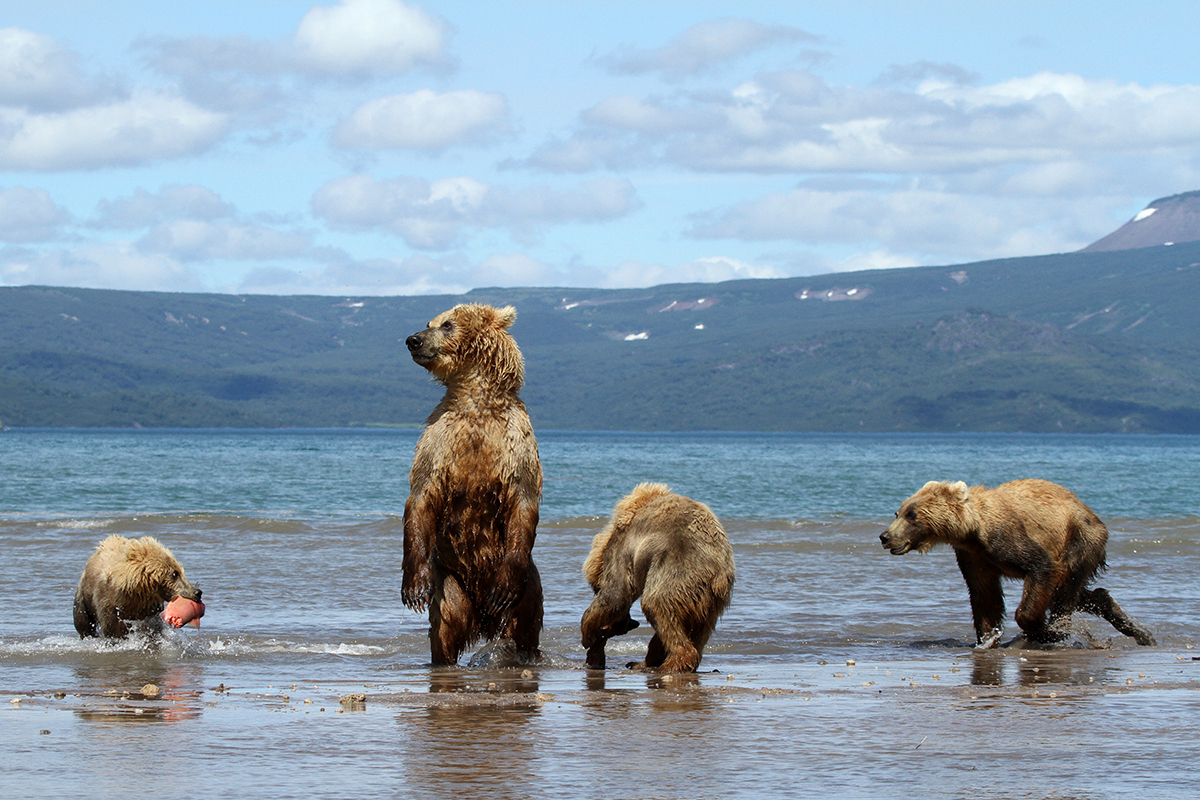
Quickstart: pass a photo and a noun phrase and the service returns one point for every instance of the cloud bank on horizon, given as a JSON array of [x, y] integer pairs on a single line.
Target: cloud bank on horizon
[[373, 147]]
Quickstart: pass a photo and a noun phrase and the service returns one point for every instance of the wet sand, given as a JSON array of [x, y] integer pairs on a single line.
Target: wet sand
[[1007, 723]]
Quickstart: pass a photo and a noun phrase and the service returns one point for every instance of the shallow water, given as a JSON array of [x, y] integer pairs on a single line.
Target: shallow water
[[837, 669]]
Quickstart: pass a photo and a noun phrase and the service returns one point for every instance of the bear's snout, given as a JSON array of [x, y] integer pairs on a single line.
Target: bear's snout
[[896, 546], [421, 347]]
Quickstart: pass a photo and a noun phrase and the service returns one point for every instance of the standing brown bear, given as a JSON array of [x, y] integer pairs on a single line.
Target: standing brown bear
[[128, 581], [1028, 529], [475, 484], [673, 553]]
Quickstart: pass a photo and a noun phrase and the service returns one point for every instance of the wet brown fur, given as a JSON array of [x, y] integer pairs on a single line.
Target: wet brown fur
[[127, 581], [671, 552], [475, 485], [1031, 530]]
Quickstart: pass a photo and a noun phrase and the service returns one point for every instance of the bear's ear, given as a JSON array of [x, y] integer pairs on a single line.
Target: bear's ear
[[506, 316], [930, 485], [959, 491]]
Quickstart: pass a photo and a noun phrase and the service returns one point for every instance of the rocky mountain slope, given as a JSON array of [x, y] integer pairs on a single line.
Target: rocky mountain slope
[[1166, 221], [1076, 342]]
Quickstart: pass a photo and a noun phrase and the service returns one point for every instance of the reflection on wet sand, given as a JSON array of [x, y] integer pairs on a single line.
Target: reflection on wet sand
[[510, 681], [141, 692], [672, 692], [676, 692], [1057, 667], [472, 726]]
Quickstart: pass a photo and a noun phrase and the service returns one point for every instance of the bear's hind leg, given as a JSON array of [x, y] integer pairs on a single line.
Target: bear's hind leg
[[702, 627], [656, 654], [1031, 615], [671, 649], [1100, 603], [525, 622], [683, 659], [1044, 587], [685, 654], [453, 621]]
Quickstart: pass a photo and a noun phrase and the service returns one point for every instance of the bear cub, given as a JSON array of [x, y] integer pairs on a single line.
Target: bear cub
[[672, 552], [128, 581], [1032, 530]]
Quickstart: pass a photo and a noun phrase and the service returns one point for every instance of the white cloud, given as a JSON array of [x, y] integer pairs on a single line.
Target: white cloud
[[143, 208], [794, 122], [923, 165], [926, 224], [702, 47], [645, 117], [353, 40], [37, 72], [144, 128], [441, 214], [515, 269], [424, 120], [637, 274], [52, 117], [874, 259], [722, 268], [116, 265], [190, 223], [453, 274], [361, 37], [405, 205], [29, 215], [415, 275], [201, 240]]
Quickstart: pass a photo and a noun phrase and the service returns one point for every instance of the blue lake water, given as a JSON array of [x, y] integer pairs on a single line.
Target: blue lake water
[[307, 473], [835, 661]]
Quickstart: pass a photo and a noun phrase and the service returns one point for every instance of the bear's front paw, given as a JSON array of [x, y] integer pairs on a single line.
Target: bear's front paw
[[416, 591], [508, 586], [990, 639], [595, 656], [501, 599]]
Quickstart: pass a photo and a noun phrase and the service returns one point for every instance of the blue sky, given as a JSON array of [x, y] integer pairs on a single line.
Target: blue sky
[[373, 147]]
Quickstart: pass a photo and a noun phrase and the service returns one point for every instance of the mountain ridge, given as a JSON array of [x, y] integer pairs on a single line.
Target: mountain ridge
[[1103, 341], [1165, 221]]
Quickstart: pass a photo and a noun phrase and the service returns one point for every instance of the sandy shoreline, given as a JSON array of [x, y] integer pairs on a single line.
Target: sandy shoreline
[[1045, 724], [996, 675]]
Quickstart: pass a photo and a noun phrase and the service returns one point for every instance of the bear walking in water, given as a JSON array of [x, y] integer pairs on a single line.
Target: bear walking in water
[[673, 553], [475, 485], [126, 581], [1033, 530]]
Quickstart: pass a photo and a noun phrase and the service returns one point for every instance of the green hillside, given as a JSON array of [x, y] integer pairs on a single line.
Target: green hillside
[[1076, 342]]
